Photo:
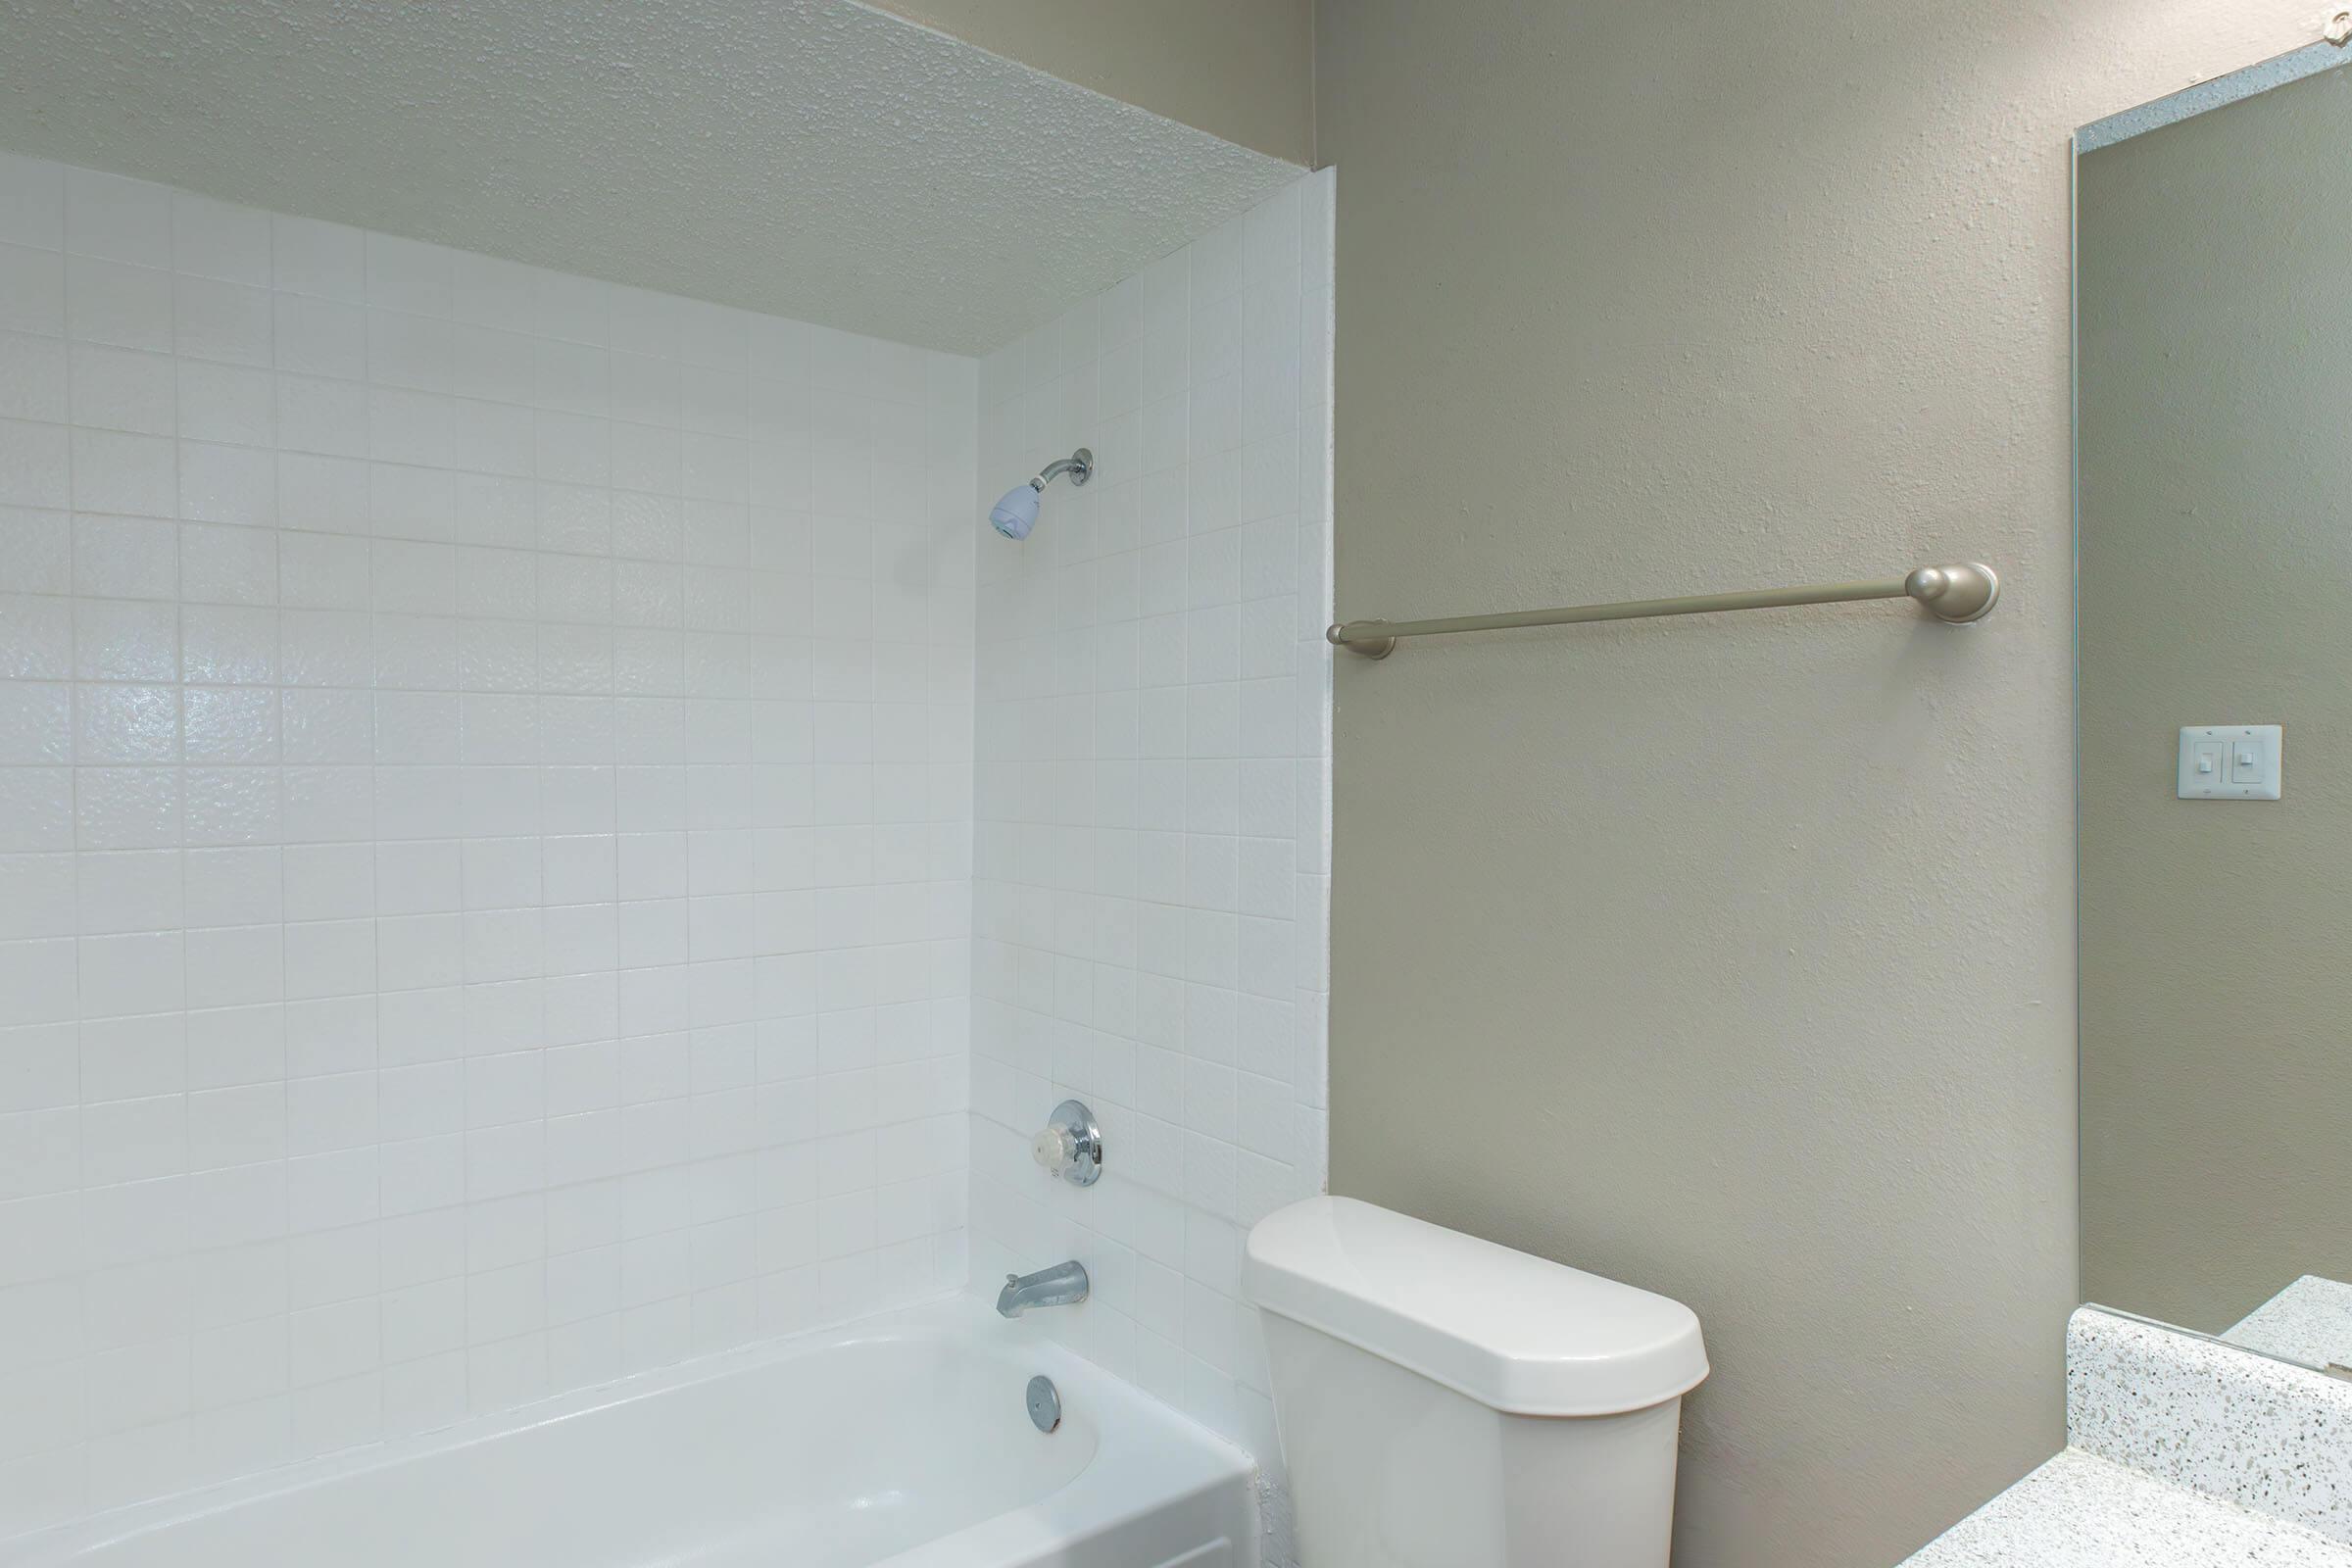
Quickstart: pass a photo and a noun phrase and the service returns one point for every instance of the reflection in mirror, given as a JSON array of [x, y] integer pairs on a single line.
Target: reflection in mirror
[[2214, 278]]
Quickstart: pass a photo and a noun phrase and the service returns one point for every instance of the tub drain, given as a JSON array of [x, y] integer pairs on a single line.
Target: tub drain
[[1044, 1402]]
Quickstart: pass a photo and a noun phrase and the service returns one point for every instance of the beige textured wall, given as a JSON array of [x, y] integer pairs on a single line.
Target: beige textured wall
[[1731, 956], [1242, 69], [2216, 369]]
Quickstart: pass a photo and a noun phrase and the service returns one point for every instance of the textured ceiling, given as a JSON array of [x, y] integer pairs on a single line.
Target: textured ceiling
[[812, 158]]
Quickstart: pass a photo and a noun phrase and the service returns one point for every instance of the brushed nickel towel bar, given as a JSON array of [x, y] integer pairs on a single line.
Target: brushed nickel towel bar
[[1955, 594]]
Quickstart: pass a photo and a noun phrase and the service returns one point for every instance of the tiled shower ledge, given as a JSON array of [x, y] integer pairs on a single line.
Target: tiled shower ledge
[[2181, 1451]]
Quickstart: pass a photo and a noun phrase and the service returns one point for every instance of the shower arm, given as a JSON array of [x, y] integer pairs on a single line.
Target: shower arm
[[1079, 465]]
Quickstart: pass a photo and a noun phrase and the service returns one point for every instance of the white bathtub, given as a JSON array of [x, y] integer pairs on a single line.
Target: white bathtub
[[903, 1442]]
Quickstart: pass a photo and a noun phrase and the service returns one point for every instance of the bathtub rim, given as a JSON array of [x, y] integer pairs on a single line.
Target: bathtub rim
[[1148, 1454]]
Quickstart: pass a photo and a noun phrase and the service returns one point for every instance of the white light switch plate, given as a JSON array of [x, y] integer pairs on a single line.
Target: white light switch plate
[[2232, 761]]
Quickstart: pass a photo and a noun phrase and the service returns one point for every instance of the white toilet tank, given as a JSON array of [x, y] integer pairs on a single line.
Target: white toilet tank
[[1446, 1402]]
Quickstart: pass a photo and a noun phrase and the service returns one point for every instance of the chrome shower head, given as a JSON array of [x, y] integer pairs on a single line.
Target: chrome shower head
[[1015, 514]]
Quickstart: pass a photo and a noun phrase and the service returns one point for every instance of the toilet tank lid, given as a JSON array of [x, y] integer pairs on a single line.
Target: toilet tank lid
[[1514, 1331]]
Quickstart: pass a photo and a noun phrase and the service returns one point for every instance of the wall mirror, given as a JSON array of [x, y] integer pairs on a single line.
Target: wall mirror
[[2213, 485]]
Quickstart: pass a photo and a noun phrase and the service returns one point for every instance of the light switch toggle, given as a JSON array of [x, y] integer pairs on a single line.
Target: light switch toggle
[[2232, 762]]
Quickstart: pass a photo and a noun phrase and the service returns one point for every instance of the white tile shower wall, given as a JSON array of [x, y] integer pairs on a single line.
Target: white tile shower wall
[[1151, 860], [485, 776]]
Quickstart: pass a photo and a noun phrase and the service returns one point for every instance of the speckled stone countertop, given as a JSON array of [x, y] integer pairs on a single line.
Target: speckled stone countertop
[[2310, 1321], [2181, 1452], [2077, 1511], [2215, 1419]]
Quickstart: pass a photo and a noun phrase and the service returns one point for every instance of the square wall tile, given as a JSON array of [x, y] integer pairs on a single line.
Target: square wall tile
[[401, 1012], [1150, 789]]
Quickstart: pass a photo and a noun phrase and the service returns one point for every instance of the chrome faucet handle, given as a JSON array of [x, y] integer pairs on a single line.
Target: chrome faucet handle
[[1070, 1145]]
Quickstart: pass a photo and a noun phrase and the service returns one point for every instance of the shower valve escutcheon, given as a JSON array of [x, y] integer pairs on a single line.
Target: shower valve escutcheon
[[1070, 1145]]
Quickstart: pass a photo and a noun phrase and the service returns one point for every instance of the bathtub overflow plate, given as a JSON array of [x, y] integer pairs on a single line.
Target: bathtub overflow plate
[[1044, 1402]]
